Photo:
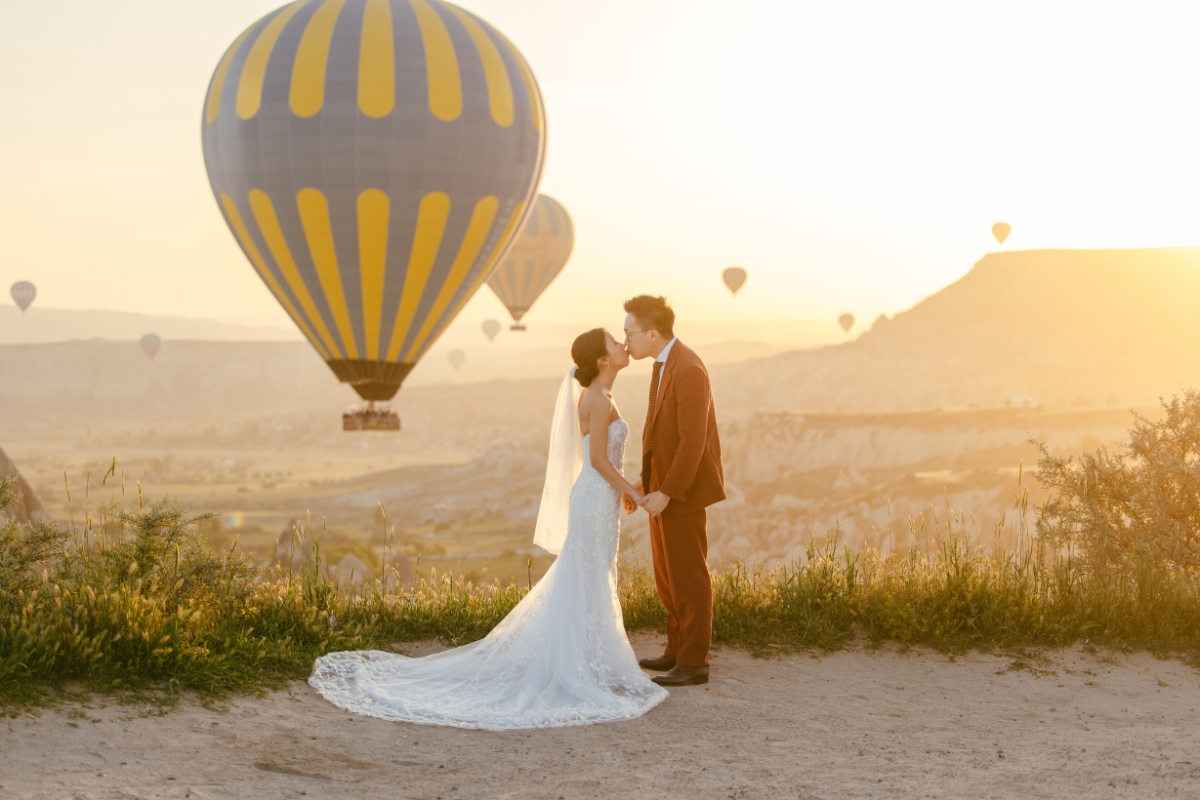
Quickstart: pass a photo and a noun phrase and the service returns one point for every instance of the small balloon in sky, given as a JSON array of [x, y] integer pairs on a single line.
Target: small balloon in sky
[[1001, 230], [735, 278], [457, 358], [846, 321], [151, 344], [23, 293], [490, 328]]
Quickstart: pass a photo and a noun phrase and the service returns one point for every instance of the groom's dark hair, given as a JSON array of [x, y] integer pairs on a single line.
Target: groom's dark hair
[[653, 313]]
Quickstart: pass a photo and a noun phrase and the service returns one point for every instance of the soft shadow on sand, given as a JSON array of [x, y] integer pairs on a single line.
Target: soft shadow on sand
[[848, 725]]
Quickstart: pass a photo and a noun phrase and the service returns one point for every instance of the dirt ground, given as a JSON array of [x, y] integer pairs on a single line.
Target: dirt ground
[[849, 725]]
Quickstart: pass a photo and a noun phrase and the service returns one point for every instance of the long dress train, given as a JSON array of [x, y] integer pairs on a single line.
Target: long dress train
[[560, 658]]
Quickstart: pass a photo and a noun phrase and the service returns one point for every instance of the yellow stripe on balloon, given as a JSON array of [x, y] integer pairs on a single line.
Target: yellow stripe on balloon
[[243, 235], [373, 208], [500, 95], [314, 218], [218, 81], [250, 85], [468, 252], [441, 63], [268, 225], [427, 239], [377, 61], [531, 88], [307, 93], [485, 273]]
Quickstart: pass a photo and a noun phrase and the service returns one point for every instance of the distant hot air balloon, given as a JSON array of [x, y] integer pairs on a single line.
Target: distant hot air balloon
[[490, 328], [735, 278], [846, 321], [1001, 230], [535, 259], [374, 159], [151, 344], [457, 358], [23, 293]]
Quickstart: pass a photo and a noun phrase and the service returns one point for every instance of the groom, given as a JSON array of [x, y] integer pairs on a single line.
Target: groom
[[681, 477]]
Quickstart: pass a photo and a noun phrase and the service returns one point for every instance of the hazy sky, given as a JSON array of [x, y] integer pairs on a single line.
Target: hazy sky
[[853, 156]]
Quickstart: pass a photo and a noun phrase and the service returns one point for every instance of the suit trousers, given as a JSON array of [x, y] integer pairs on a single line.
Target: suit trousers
[[680, 548]]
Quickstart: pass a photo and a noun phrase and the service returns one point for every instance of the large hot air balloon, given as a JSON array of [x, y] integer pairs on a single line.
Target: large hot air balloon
[[734, 278], [535, 259], [151, 344], [23, 293], [846, 321], [490, 328], [374, 159], [1001, 230], [457, 359]]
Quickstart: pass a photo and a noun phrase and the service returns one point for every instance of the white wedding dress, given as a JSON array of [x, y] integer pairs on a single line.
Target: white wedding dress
[[559, 658]]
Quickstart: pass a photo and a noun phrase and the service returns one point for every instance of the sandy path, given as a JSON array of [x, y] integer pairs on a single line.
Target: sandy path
[[845, 726]]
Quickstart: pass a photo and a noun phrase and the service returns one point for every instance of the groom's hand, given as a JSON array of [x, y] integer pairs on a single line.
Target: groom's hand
[[655, 503]]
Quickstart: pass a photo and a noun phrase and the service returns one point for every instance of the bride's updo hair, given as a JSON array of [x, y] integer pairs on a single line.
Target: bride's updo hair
[[589, 348]]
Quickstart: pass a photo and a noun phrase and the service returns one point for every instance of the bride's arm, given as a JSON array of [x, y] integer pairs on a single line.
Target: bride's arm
[[599, 413]]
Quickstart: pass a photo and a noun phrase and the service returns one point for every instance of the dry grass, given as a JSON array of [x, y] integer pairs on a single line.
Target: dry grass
[[136, 601]]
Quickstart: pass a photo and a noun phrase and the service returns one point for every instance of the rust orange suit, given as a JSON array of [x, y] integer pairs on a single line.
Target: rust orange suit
[[682, 459]]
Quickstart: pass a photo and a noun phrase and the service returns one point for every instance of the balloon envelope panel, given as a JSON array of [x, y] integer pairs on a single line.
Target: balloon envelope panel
[[536, 257], [373, 159]]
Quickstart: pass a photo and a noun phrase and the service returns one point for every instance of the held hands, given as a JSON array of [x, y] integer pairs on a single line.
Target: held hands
[[630, 502], [655, 503]]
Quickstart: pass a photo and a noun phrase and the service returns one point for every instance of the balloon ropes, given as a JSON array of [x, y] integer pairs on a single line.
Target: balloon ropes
[[734, 278], [538, 255], [23, 293], [846, 321], [1001, 230], [151, 344], [374, 160]]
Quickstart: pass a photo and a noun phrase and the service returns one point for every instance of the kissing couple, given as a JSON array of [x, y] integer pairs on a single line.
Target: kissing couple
[[561, 657]]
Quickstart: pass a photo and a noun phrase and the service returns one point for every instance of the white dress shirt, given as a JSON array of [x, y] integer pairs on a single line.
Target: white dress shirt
[[662, 357]]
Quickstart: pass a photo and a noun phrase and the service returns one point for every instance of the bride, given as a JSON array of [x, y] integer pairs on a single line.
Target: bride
[[561, 656]]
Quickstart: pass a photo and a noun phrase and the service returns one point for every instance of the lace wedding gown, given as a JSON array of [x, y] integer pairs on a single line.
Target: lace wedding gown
[[559, 658]]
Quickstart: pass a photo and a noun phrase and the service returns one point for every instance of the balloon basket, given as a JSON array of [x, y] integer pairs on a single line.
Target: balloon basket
[[517, 327], [370, 419]]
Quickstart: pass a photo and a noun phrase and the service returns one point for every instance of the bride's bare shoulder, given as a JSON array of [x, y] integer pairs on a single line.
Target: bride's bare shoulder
[[594, 399]]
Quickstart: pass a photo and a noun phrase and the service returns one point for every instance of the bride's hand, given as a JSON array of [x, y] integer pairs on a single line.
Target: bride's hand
[[630, 503]]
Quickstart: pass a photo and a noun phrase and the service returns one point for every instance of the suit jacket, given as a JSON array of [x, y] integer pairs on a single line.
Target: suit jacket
[[685, 448]]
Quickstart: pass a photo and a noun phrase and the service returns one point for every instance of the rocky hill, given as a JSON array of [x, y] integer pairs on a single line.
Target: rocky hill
[[1052, 327]]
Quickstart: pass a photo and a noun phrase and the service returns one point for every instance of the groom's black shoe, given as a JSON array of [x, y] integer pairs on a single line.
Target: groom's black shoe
[[683, 676], [660, 664]]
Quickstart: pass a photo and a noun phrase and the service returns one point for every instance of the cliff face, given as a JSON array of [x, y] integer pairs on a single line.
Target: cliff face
[[1064, 327], [886, 479], [27, 507]]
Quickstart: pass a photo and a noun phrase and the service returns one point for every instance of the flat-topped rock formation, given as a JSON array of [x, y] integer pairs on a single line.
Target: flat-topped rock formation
[[1053, 327]]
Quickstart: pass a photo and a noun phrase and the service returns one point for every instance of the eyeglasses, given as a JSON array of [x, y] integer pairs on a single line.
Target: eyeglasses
[[631, 333]]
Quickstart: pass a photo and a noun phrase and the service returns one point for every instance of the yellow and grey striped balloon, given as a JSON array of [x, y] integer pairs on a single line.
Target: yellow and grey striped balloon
[[374, 160], [535, 259]]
